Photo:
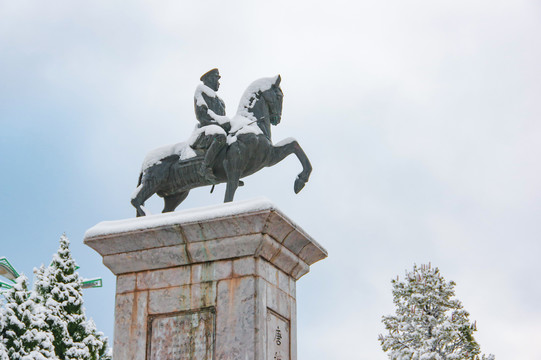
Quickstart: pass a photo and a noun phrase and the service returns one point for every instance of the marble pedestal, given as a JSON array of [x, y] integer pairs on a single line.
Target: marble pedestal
[[212, 283]]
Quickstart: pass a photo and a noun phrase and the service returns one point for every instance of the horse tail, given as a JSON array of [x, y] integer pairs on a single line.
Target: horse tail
[[140, 178]]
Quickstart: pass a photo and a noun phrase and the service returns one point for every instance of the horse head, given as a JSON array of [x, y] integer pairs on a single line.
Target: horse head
[[273, 99], [262, 103]]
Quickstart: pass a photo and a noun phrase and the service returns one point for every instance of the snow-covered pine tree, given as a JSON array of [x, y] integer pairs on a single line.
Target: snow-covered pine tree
[[60, 290], [430, 323], [3, 351], [23, 330]]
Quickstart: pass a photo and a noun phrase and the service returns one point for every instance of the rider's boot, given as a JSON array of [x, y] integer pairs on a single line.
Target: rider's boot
[[210, 158]]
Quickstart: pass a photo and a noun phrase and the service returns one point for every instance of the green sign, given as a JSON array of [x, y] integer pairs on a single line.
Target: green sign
[[92, 283], [7, 270], [4, 286]]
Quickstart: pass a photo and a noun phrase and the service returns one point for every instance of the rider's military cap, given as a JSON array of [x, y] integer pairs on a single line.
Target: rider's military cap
[[210, 73]]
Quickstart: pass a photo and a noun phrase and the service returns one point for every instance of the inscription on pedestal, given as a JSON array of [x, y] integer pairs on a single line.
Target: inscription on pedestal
[[277, 337], [182, 336]]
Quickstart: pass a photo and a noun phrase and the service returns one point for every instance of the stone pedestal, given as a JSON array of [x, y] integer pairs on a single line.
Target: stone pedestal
[[213, 283]]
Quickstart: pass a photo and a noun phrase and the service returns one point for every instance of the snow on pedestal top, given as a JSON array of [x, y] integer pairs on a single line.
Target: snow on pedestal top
[[105, 228]]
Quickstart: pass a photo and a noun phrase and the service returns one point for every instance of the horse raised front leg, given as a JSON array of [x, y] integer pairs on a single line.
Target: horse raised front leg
[[232, 166], [290, 146]]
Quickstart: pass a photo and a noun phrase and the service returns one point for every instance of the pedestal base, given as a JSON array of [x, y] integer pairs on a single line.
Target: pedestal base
[[210, 283]]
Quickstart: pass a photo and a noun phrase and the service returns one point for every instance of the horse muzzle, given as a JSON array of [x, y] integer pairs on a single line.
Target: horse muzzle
[[275, 119]]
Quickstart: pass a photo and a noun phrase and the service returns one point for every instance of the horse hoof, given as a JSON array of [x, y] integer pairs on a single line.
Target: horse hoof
[[299, 184]]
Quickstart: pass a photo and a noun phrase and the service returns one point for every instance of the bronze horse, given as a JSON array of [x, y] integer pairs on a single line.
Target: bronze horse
[[249, 150]]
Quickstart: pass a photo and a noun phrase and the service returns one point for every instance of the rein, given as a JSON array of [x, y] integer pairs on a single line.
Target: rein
[[250, 123]]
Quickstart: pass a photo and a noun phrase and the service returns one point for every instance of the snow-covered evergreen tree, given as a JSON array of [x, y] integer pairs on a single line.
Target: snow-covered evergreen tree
[[59, 288], [23, 330], [430, 323], [3, 351]]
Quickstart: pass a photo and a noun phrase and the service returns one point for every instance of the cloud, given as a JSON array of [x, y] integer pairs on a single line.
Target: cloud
[[420, 119]]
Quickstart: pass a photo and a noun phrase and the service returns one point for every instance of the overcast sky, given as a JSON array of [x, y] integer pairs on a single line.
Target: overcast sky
[[421, 120]]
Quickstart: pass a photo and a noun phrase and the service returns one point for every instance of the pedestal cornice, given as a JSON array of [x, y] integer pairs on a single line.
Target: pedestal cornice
[[226, 231]]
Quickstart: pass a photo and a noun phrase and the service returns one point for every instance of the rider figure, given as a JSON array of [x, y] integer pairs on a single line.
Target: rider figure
[[213, 124]]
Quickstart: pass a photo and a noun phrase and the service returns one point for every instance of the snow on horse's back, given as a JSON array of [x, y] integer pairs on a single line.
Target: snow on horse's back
[[182, 149]]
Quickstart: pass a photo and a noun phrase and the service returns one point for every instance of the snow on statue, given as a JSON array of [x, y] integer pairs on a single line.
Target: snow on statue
[[429, 324], [220, 149]]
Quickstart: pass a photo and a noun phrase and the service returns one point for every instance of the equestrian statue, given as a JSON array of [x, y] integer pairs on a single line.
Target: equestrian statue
[[221, 149]]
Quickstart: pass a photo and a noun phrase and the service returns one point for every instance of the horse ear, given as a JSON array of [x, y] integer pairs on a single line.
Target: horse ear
[[278, 80]]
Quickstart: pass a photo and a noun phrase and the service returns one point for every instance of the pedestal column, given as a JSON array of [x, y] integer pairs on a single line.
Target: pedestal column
[[209, 283]]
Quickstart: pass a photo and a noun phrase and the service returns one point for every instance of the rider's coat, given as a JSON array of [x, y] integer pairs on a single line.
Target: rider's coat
[[206, 99]]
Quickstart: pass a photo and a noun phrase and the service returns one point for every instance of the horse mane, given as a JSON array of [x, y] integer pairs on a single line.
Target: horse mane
[[247, 99]]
